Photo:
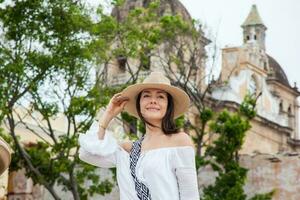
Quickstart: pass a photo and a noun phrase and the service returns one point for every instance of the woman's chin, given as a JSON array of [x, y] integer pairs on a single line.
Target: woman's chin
[[153, 117]]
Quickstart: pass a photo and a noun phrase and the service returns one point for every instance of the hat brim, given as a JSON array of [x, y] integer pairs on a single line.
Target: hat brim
[[5, 157], [180, 98]]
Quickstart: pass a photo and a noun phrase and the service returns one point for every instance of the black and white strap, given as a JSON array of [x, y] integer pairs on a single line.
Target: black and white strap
[[142, 190]]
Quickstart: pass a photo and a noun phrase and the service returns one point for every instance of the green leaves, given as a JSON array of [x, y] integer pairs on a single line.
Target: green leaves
[[47, 110], [21, 19], [80, 106], [180, 121], [206, 115], [228, 186], [247, 107], [174, 26], [230, 129], [40, 155], [46, 59], [267, 196], [117, 2]]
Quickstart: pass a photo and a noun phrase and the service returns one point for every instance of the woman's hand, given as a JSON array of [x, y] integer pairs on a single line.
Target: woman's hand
[[116, 104]]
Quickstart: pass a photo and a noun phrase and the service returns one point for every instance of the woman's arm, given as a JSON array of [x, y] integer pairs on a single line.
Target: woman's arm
[[185, 168], [103, 124], [95, 151], [187, 183], [97, 146], [115, 106]]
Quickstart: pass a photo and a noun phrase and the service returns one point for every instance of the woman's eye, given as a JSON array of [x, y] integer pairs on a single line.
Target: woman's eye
[[146, 95], [161, 97]]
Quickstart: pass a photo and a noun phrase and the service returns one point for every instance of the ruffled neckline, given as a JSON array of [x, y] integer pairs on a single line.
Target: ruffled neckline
[[162, 149]]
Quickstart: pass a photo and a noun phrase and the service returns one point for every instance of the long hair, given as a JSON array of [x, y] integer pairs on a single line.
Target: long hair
[[168, 124]]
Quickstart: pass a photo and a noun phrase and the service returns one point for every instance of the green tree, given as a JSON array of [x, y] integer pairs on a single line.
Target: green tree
[[47, 66], [222, 155]]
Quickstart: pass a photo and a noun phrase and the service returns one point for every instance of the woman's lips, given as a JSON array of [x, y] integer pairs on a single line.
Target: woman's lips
[[153, 109]]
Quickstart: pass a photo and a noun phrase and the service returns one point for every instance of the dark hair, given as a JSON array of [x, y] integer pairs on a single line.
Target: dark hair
[[168, 124]]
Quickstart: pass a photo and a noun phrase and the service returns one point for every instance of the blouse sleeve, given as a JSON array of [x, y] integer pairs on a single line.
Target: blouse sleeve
[[185, 171], [101, 153]]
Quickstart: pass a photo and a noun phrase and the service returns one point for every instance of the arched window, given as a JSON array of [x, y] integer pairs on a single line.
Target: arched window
[[265, 66], [290, 110], [252, 87], [281, 106], [122, 60]]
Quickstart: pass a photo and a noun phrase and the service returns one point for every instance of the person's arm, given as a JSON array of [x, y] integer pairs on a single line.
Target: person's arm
[[103, 124], [186, 175], [95, 151], [115, 106], [185, 168], [98, 146]]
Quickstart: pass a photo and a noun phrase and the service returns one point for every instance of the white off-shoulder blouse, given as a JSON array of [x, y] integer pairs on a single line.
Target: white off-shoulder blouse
[[168, 172]]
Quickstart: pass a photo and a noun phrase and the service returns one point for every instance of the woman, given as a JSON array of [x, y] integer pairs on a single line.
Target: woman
[[160, 165]]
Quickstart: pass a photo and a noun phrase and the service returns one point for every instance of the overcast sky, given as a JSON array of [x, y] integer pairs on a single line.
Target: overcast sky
[[223, 19]]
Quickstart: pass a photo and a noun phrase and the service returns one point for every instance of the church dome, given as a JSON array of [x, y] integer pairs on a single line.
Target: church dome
[[173, 7], [279, 74]]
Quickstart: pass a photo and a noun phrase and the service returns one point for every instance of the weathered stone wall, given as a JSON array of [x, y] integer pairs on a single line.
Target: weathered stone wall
[[280, 172], [267, 172]]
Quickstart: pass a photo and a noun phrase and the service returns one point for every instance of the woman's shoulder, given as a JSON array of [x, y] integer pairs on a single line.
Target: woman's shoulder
[[182, 139], [184, 155]]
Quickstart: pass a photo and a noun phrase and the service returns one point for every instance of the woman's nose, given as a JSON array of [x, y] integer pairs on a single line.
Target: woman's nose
[[153, 100]]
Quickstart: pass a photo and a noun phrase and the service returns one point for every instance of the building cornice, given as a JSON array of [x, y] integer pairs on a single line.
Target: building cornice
[[235, 106], [282, 86], [294, 142]]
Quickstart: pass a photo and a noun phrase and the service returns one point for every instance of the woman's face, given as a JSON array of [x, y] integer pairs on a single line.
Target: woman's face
[[153, 104]]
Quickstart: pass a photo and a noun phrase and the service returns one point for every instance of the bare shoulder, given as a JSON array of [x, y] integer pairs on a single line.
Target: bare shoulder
[[126, 146], [182, 139]]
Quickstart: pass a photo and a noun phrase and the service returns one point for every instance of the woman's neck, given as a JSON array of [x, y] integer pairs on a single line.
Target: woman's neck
[[153, 131]]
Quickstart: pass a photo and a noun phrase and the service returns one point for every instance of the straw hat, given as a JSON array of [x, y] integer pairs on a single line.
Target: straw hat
[[156, 80], [5, 157]]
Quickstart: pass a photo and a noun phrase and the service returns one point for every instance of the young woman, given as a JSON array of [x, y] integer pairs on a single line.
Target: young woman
[[160, 165]]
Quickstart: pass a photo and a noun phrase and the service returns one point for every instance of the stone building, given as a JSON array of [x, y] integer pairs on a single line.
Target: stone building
[[250, 69]]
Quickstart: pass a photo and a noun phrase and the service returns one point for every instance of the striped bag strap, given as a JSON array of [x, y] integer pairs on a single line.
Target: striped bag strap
[[141, 189]]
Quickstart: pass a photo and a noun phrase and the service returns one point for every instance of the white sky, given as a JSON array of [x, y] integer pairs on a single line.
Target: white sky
[[282, 18]]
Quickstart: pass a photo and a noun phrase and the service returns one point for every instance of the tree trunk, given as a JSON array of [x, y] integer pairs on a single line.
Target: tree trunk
[[24, 155], [74, 185]]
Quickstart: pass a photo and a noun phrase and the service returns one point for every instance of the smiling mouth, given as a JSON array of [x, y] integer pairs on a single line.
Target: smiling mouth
[[152, 109]]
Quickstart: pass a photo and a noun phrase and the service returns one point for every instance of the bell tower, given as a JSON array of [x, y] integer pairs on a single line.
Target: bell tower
[[254, 29]]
